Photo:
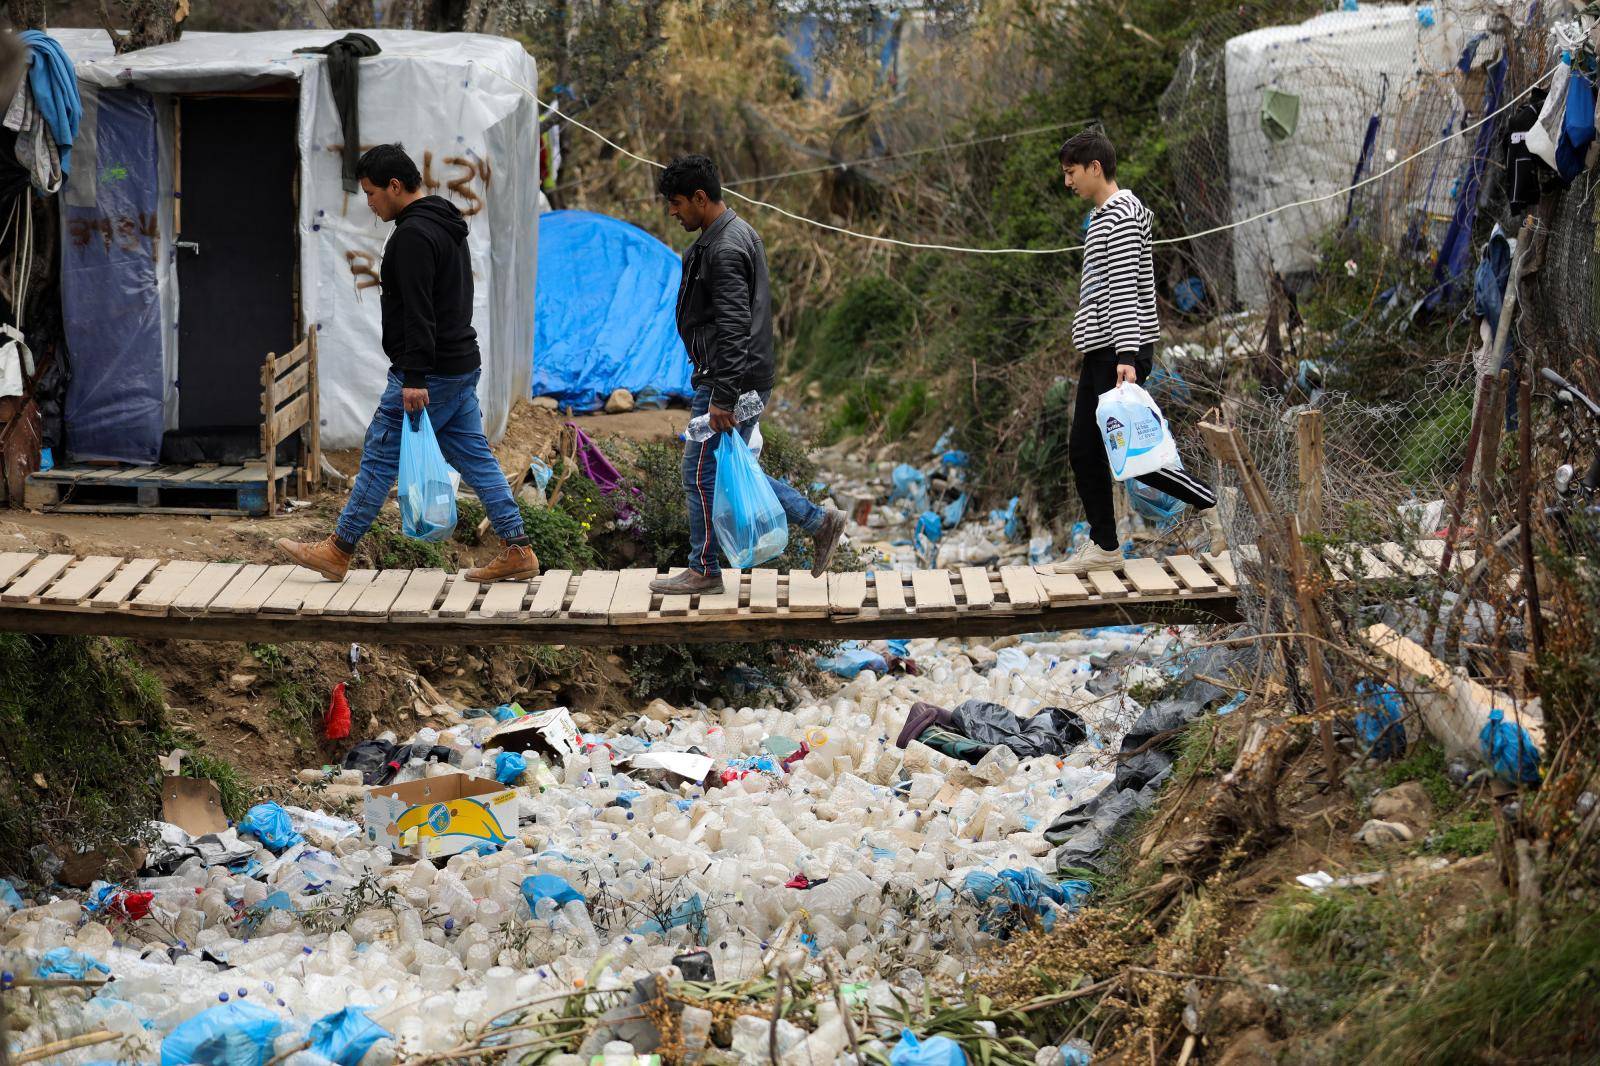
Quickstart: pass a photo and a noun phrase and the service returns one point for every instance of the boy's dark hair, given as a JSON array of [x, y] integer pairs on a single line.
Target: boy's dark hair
[[383, 163], [1090, 146], [687, 173]]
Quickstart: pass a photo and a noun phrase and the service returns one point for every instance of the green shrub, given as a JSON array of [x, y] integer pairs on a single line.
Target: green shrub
[[1425, 763], [1434, 445], [1464, 837], [559, 540], [385, 547]]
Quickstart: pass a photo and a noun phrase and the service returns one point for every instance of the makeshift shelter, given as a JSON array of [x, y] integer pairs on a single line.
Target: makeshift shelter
[[605, 312], [1316, 106], [207, 224]]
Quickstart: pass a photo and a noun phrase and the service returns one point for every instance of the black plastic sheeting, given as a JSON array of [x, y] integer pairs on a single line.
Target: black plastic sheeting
[[1082, 831], [1053, 731]]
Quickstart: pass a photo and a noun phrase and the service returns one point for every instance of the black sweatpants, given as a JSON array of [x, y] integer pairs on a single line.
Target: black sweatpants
[[1090, 467]]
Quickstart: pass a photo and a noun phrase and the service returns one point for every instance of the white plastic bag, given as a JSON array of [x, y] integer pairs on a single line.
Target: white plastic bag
[[1135, 432]]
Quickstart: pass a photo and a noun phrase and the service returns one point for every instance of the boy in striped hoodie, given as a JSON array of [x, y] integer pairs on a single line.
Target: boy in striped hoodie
[[1115, 331]]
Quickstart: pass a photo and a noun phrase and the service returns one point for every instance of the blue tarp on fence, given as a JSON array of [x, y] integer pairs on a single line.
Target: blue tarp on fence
[[604, 312]]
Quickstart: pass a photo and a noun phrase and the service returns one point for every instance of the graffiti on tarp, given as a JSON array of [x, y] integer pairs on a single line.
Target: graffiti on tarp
[[364, 268], [127, 232], [465, 171]]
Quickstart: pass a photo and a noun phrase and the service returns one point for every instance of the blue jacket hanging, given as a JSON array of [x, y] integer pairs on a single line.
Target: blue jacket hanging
[[1577, 127], [1489, 285]]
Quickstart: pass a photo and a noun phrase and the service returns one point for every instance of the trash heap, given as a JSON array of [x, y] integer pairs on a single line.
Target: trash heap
[[876, 837]]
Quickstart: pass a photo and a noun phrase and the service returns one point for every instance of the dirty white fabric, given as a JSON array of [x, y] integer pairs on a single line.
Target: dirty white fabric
[[16, 362], [36, 148]]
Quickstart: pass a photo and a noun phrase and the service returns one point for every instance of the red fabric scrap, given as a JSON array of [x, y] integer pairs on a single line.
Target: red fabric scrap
[[336, 723]]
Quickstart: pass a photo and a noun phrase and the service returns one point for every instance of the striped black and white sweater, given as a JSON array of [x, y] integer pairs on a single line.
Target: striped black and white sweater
[[1117, 300]]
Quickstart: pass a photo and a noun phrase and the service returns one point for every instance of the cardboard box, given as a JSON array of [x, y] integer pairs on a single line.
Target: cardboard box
[[193, 804], [439, 816], [552, 733]]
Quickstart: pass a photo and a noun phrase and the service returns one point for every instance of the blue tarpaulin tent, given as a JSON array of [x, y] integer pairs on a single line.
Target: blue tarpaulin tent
[[604, 312]]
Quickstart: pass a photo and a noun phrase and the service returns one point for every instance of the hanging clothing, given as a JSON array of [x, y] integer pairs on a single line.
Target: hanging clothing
[[16, 362], [1524, 171], [55, 91], [1544, 133], [1577, 128], [36, 149], [344, 78]]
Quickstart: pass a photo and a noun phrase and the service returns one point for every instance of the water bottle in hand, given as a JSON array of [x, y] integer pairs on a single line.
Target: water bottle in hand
[[748, 406]]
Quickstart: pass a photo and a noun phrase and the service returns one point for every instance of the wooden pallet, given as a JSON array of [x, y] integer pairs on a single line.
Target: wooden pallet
[[234, 601], [204, 490]]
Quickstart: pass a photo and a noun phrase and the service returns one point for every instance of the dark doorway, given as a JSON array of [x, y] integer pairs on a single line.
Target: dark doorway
[[237, 175]]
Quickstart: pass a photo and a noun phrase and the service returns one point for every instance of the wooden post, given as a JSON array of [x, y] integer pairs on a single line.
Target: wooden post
[[269, 407], [313, 389], [1530, 577], [1489, 453], [1308, 428]]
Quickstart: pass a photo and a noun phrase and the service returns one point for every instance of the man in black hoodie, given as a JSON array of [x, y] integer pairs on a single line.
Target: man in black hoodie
[[434, 365]]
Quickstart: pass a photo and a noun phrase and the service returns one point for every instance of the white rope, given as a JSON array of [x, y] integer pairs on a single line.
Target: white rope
[[897, 242]]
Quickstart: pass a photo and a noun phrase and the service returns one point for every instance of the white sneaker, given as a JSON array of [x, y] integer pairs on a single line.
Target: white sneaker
[[1090, 557]]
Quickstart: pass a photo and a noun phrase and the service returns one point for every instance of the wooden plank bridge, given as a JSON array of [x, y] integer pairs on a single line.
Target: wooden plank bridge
[[195, 600]]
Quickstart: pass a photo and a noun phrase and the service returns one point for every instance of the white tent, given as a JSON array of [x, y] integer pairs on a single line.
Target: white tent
[[463, 106], [1339, 70]]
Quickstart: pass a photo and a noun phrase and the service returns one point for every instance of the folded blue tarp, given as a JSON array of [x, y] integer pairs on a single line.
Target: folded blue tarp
[[604, 312]]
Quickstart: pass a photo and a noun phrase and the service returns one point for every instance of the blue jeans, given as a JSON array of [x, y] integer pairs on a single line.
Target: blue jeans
[[699, 485], [458, 423]]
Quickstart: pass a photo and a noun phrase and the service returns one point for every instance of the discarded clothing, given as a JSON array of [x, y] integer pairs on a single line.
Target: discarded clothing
[[35, 149], [344, 78], [16, 362]]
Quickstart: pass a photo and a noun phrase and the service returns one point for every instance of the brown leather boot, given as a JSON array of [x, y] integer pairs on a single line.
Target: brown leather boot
[[515, 562], [689, 582], [324, 556]]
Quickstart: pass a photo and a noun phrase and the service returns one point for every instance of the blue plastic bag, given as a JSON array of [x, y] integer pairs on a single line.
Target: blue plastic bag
[[271, 825], [935, 1051], [1154, 505], [232, 1034], [1009, 517], [909, 484], [1381, 724], [345, 1036], [548, 886], [9, 900], [1508, 750], [427, 498], [64, 962], [954, 512], [745, 512], [509, 767], [851, 659]]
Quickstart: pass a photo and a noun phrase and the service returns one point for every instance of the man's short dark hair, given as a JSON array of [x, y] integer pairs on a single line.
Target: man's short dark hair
[[1090, 146], [687, 173], [383, 163]]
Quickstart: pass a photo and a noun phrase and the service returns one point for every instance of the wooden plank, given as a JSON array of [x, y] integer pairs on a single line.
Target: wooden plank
[[1106, 583], [1223, 565], [291, 417], [290, 596], [188, 473], [293, 381], [1405, 561], [460, 597], [847, 592], [726, 601], [379, 596], [160, 473], [674, 606], [237, 587], [80, 582], [252, 472], [975, 583], [165, 585], [206, 586], [1022, 587], [763, 591], [632, 597], [119, 588], [1191, 573], [551, 594], [339, 596], [1062, 588], [131, 473], [593, 598], [265, 586], [933, 592], [39, 575], [14, 563], [807, 593], [419, 595], [1149, 577], [215, 474], [889, 588]]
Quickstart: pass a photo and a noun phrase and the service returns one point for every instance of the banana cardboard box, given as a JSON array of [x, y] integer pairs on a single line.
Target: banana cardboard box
[[439, 816]]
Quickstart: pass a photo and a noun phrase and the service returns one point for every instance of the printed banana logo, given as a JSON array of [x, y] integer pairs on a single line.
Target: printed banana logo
[[461, 817]]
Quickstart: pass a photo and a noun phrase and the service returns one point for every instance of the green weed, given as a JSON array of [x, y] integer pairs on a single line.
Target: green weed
[[1425, 763], [236, 791], [1464, 837]]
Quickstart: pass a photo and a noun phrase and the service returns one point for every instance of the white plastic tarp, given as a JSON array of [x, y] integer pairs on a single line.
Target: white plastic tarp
[[1345, 67], [463, 106]]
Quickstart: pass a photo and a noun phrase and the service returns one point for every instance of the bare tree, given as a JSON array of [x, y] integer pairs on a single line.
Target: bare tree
[[26, 14], [149, 22]]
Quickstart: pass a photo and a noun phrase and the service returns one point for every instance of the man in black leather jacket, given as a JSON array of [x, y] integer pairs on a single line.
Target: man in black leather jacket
[[725, 318]]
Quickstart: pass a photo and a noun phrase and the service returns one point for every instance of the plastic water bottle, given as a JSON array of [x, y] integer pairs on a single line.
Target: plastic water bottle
[[748, 407]]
